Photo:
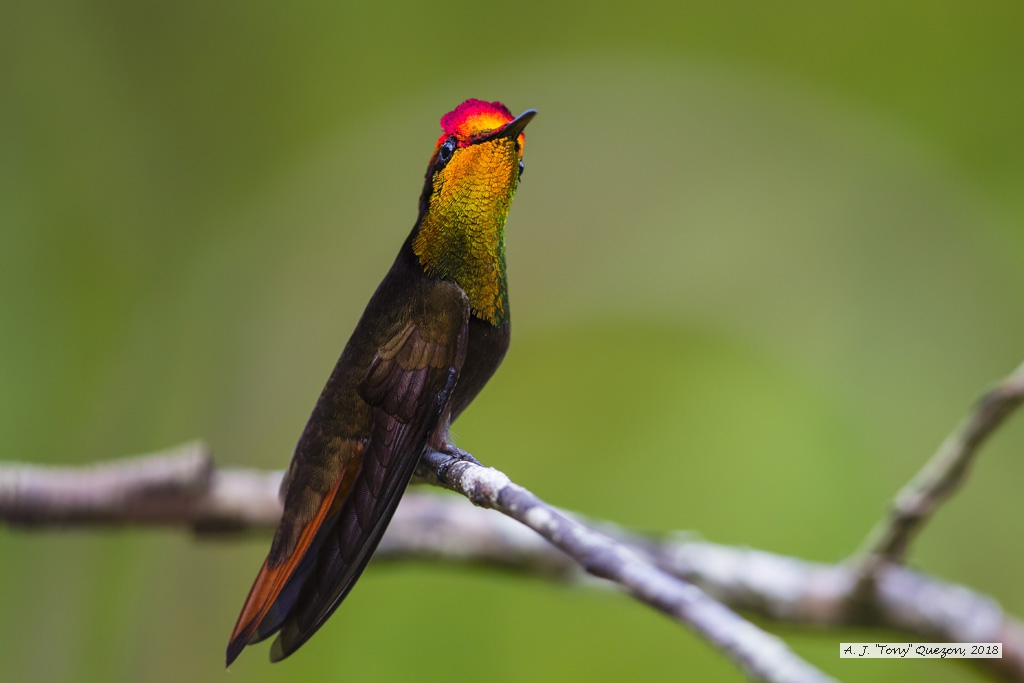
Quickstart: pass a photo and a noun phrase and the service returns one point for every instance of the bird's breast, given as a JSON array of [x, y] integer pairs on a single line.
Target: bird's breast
[[485, 350]]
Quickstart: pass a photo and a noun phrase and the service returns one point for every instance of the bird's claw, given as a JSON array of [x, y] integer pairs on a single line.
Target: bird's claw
[[459, 454]]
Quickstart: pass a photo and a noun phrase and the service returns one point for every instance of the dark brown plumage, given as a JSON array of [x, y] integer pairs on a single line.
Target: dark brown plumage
[[431, 336]]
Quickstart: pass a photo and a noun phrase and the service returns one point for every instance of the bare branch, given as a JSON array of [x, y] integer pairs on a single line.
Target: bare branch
[[182, 488], [175, 487], [761, 654], [938, 480], [440, 527], [795, 591], [785, 589], [132, 491]]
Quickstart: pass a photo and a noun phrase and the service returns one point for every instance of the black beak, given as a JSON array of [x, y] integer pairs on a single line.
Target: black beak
[[516, 126]]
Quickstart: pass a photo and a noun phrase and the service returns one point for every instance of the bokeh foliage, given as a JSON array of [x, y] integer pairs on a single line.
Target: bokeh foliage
[[764, 256]]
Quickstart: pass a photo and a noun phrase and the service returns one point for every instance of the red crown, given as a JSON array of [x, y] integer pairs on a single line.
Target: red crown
[[473, 117]]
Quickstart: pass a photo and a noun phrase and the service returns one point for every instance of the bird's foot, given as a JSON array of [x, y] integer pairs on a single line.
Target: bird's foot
[[436, 462], [459, 454]]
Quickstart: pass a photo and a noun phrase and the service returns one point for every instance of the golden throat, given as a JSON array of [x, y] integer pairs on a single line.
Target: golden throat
[[461, 234]]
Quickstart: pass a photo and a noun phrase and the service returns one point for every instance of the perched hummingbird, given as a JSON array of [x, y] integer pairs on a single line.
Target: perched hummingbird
[[432, 335]]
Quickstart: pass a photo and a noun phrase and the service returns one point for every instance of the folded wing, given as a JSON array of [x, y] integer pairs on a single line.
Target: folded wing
[[406, 389]]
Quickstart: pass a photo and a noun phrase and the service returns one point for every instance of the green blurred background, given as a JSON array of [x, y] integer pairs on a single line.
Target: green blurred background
[[762, 260]]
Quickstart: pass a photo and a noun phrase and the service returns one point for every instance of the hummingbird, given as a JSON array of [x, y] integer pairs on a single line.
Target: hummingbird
[[432, 335]]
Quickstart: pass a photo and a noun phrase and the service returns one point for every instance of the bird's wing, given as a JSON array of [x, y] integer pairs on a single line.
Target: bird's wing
[[312, 498], [407, 385]]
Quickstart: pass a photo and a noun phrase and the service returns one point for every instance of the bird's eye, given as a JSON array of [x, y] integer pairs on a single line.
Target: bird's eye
[[521, 169], [446, 151]]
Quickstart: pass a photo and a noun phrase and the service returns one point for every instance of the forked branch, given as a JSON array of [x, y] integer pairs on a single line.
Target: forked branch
[[938, 480], [690, 581]]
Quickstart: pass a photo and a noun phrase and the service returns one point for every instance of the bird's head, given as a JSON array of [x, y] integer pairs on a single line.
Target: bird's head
[[477, 161], [472, 177]]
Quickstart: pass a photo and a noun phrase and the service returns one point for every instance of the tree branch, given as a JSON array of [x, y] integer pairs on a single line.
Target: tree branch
[[937, 481], [176, 487], [788, 590], [759, 653], [675, 576], [182, 487]]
